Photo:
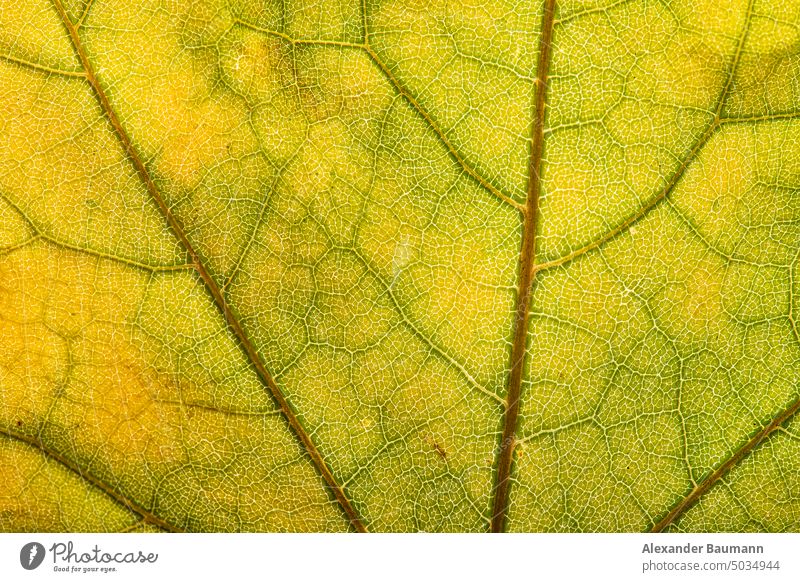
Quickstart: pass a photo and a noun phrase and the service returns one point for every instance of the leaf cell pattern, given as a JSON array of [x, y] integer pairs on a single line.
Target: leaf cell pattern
[[399, 265]]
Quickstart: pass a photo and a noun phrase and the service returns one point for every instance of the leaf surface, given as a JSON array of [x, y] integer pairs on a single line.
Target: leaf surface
[[399, 266]]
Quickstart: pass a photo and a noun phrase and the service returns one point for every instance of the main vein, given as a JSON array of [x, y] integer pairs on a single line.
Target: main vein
[[527, 257], [211, 285]]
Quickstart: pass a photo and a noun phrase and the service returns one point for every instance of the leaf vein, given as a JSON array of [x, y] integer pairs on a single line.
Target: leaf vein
[[119, 497], [410, 99], [526, 277], [211, 285]]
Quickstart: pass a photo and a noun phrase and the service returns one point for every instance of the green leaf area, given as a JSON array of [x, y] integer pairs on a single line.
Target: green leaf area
[[399, 265]]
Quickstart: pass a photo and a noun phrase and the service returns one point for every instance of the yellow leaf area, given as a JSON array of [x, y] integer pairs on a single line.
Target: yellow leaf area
[[259, 265]]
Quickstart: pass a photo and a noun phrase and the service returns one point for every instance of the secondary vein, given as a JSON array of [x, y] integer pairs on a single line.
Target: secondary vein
[[126, 502], [703, 487], [408, 96]]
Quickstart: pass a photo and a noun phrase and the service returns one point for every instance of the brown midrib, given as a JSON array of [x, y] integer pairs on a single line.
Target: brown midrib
[[525, 279], [528, 271], [208, 280]]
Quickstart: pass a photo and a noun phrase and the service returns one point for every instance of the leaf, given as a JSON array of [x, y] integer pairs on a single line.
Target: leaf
[[399, 265]]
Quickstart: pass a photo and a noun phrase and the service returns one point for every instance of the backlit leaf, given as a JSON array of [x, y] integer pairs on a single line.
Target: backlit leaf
[[399, 265]]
